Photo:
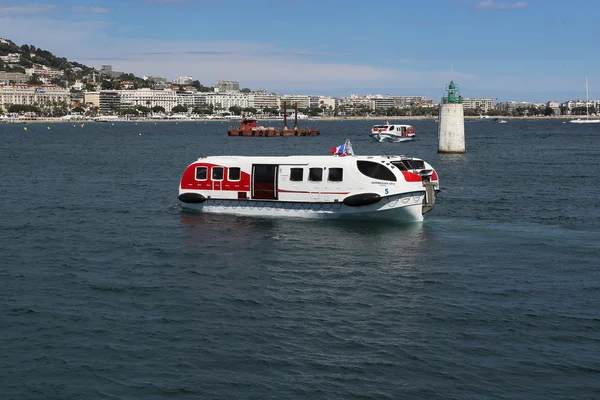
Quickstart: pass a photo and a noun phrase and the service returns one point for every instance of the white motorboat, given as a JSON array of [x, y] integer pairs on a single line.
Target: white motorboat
[[341, 185], [392, 132]]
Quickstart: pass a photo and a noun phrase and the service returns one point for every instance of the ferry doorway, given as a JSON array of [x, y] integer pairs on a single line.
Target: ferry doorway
[[264, 181]]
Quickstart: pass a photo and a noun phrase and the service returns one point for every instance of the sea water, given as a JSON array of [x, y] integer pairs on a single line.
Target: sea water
[[109, 290]]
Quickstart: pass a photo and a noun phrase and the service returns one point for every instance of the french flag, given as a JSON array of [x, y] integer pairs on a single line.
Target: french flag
[[343, 149], [340, 150]]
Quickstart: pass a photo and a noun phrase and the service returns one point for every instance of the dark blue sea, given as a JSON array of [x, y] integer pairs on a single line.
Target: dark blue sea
[[109, 291]]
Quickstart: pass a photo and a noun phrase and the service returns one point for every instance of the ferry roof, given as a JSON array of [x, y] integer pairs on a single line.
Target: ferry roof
[[388, 124], [305, 159]]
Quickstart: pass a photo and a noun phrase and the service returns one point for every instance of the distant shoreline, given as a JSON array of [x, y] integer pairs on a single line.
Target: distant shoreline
[[236, 121]]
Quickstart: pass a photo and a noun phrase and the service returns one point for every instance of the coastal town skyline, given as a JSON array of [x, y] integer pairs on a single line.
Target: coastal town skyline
[[506, 50]]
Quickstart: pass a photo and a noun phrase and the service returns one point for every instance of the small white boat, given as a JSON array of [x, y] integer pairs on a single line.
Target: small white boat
[[587, 119], [392, 132], [337, 186], [502, 121]]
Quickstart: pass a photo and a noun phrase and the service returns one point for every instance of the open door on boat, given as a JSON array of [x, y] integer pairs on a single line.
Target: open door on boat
[[264, 181]]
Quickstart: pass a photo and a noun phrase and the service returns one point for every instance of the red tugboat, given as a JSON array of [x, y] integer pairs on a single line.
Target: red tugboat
[[248, 127]]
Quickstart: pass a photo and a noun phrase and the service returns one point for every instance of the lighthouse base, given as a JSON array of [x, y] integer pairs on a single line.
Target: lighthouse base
[[451, 129]]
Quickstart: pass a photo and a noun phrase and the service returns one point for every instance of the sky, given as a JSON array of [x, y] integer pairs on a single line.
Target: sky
[[536, 50]]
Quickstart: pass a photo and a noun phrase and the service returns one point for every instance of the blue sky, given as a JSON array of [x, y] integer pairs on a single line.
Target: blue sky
[[535, 50]]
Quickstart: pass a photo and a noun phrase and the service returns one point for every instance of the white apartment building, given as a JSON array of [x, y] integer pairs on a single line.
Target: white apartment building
[[149, 98], [511, 106], [11, 58], [291, 99], [44, 71], [183, 80], [484, 104], [354, 102], [78, 85], [330, 103], [33, 95], [382, 102], [157, 79], [261, 100], [92, 98], [16, 77], [408, 101], [226, 100], [227, 86], [592, 105]]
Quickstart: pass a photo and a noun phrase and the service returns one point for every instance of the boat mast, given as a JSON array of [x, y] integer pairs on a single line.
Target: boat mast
[[587, 102]]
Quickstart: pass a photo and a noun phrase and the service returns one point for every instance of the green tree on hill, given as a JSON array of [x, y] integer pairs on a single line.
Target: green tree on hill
[[144, 110], [235, 110], [179, 109], [35, 79]]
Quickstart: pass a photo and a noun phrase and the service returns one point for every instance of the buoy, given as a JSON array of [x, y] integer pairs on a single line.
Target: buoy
[[48, 128], [25, 128], [113, 124]]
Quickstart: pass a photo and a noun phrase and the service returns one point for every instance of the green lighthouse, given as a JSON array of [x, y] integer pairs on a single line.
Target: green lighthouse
[[452, 98]]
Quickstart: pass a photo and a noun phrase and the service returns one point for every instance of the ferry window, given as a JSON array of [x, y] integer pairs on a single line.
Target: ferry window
[[409, 164], [234, 174], [416, 164], [217, 173], [336, 175], [201, 173], [296, 174], [391, 128], [315, 174], [400, 165], [375, 171]]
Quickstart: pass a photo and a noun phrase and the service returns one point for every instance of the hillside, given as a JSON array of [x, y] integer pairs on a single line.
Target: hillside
[[26, 56], [30, 56]]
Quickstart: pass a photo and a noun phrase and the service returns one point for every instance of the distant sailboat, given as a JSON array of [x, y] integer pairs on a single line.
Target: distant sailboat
[[587, 119]]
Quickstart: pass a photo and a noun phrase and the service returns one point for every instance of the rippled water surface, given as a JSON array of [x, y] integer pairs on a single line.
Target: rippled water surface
[[109, 290]]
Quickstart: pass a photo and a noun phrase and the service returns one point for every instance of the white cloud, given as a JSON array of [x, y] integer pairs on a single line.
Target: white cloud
[[94, 10], [490, 4], [7, 10]]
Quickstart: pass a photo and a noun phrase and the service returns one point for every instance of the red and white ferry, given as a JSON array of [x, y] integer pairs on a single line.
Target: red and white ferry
[[392, 132], [339, 186]]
